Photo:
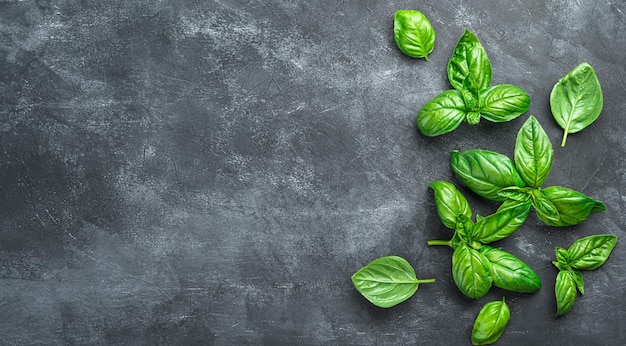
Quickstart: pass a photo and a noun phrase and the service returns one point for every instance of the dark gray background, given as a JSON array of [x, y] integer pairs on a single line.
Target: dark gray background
[[213, 172]]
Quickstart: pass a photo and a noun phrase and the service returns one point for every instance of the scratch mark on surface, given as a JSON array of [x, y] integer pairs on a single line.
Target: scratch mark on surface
[[527, 9], [594, 173]]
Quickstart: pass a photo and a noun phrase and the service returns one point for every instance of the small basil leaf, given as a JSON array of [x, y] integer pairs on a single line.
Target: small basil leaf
[[578, 279], [387, 281], [469, 61], [472, 118], [501, 224], [470, 96], [464, 228], [485, 172], [516, 194], [509, 272], [591, 252], [576, 100], [565, 291], [543, 206], [562, 257], [471, 271], [442, 114], [413, 33], [503, 102], [490, 323], [573, 207], [450, 203], [533, 153]]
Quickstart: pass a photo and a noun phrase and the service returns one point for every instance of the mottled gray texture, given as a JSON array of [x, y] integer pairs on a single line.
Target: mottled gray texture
[[213, 172]]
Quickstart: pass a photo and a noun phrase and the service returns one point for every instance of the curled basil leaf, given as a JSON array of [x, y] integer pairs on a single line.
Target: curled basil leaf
[[485, 172], [442, 114], [573, 207], [591, 252], [413, 33], [546, 210], [576, 100], [503, 102], [578, 279], [450, 203], [509, 272], [469, 61], [387, 281], [490, 323], [501, 224], [562, 258], [565, 291], [533, 153], [471, 271]]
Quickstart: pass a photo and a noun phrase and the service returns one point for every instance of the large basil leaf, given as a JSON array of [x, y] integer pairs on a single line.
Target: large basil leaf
[[503, 102], [576, 99], [413, 33], [450, 203], [546, 210], [591, 252], [485, 172], [471, 271], [565, 291], [469, 61], [533, 153], [490, 323], [387, 281], [444, 113], [573, 207], [501, 224], [509, 272]]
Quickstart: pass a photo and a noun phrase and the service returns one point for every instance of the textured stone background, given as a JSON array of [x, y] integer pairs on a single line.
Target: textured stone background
[[213, 172]]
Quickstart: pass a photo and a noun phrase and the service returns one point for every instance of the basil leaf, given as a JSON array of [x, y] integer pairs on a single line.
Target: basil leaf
[[413, 33], [591, 252], [544, 207], [573, 207], [444, 113], [464, 228], [503, 102], [490, 323], [517, 194], [471, 271], [578, 279], [576, 100], [565, 291], [485, 172], [562, 258], [469, 61], [387, 281], [533, 153], [501, 224], [509, 272], [450, 203]]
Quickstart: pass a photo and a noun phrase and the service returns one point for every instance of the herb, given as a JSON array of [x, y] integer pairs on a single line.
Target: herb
[[387, 281], [588, 253], [497, 177], [490, 322], [576, 100], [469, 72], [476, 266], [413, 33]]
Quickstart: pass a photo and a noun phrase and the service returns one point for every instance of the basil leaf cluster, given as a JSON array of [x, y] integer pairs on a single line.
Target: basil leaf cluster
[[588, 253], [477, 266], [519, 182], [413, 33], [387, 281], [473, 97], [576, 100], [490, 322]]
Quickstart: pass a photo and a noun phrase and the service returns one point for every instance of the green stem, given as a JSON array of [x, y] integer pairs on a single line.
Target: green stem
[[565, 135], [425, 281], [439, 242]]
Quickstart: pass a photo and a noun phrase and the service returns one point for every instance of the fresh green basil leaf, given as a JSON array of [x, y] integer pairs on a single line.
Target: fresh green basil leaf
[[472, 118], [573, 207], [485, 172], [387, 281], [501, 224], [591, 252], [578, 279], [509, 272], [413, 33], [503, 102], [450, 203], [562, 257], [576, 100], [470, 96], [565, 291], [490, 322], [517, 194], [464, 228], [469, 61], [544, 207], [442, 114], [471, 271], [533, 153]]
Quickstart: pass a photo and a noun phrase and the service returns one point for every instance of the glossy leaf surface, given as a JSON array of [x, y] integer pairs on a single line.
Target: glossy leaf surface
[[573, 207], [533, 153], [591, 252], [471, 271], [469, 61], [565, 292], [490, 323], [509, 272], [450, 203], [413, 33], [503, 102], [500, 224], [442, 114]]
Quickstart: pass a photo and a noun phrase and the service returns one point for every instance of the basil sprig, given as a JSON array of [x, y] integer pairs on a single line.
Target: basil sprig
[[519, 182], [588, 253], [576, 100], [490, 322], [387, 281], [475, 265], [473, 97], [413, 33]]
